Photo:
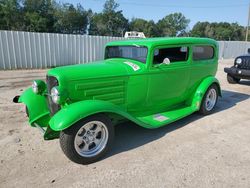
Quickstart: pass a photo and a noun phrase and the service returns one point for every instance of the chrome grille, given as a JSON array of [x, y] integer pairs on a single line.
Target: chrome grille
[[52, 82]]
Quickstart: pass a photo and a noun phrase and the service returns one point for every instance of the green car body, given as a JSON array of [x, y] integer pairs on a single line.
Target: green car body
[[150, 95]]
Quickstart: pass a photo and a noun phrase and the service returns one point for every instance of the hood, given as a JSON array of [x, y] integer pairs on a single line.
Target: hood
[[243, 56], [98, 69]]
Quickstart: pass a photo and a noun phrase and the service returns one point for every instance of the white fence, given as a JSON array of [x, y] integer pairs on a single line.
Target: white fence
[[232, 49], [26, 50]]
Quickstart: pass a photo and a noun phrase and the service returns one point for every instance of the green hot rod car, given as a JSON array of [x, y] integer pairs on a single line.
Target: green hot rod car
[[151, 82]]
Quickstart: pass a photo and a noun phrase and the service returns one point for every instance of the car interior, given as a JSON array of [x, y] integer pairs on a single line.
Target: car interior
[[175, 54]]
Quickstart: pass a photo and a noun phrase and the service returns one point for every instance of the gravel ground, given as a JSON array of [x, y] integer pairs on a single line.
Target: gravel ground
[[197, 151]]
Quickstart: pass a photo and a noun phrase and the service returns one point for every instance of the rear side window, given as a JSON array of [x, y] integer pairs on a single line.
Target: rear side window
[[203, 52]]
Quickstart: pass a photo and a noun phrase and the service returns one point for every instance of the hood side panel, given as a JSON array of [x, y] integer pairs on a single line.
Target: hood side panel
[[109, 89]]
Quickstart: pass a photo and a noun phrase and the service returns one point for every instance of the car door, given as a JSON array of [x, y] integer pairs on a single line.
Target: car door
[[168, 77], [202, 64]]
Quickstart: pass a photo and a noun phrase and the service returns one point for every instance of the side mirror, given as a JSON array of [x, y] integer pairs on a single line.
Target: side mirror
[[248, 50]]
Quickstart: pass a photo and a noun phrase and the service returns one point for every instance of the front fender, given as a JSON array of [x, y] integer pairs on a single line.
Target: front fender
[[37, 107], [72, 113], [201, 90]]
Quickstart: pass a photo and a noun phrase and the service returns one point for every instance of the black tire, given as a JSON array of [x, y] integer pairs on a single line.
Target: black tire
[[203, 108], [67, 139], [232, 80]]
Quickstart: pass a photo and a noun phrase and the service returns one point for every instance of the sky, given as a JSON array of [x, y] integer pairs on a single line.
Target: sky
[[195, 10]]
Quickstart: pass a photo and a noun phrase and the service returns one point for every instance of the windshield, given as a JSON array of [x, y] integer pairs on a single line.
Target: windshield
[[135, 52]]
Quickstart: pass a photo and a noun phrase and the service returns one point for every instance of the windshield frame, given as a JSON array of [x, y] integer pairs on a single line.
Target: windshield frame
[[132, 45]]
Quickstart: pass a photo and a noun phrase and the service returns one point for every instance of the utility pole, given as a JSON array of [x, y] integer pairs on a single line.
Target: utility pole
[[248, 23]]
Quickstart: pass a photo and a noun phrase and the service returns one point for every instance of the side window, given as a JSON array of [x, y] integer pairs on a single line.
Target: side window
[[170, 55], [203, 52]]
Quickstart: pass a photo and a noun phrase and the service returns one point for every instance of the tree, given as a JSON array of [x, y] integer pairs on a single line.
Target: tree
[[110, 6], [149, 28], [218, 31], [70, 19], [110, 22], [239, 32], [11, 15], [39, 15], [50, 16], [173, 24], [199, 29], [97, 25]]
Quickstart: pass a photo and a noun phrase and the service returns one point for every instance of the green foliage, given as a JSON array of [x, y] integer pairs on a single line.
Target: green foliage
[[149, 28], [34, 22], [50, 16], [173, 24], [39, 15], [108, 23], [42, 16], [110, 6], [218, 31], [10, 15], [70, 19]]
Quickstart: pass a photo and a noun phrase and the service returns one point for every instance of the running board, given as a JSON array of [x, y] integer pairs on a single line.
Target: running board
[[164, 118]]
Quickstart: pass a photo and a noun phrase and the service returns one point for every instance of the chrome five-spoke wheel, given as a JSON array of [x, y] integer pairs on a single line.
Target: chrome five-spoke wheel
[[87, 140], [91, 139], [209, 100]]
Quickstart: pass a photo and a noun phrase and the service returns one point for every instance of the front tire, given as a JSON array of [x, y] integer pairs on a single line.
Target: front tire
[[232, 80], [87, 140], [209, 100]]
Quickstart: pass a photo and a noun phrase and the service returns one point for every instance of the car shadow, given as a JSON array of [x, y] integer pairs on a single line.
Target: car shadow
[[129, 136], [230, 99], [244, 82]]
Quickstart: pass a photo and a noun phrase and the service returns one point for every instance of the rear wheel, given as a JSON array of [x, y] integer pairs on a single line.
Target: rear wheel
[[232, 80], [87, 140], [209, 100]]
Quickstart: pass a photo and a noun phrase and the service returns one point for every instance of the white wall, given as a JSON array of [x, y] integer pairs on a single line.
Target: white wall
[[27, 50]]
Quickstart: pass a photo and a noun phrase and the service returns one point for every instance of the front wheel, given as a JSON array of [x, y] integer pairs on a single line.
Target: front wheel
[[209, 100], [232, 80], [87, 140]]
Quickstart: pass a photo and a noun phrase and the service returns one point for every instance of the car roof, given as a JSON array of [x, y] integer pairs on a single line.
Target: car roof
[[149, 42]]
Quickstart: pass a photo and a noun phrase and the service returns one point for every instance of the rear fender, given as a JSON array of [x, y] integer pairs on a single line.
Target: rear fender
[[202, 89], [37, 107], [72, 113]]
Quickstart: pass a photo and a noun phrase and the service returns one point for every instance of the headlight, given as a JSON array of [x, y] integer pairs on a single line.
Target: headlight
[[238, 61], [38, 86], [35, 87], [58, 95], [55, 95]]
